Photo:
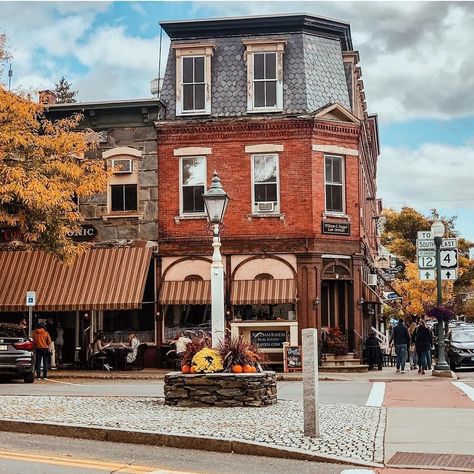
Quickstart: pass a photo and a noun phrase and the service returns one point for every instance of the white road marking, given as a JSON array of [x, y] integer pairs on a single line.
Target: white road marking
[[469, 391], [376, 395], [355, 471], [65, 383]]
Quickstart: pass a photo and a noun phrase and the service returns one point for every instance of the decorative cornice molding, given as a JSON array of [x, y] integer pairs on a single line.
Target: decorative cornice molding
[[220, 130]]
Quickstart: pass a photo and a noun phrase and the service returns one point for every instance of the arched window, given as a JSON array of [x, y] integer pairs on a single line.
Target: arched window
[[263, 276], [194, 278]]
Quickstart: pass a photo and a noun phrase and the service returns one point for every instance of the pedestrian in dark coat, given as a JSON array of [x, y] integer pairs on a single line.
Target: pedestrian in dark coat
[[423, 340], [372, 347]]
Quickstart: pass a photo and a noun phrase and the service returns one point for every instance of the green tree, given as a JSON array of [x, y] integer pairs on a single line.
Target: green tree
[[64, 94]]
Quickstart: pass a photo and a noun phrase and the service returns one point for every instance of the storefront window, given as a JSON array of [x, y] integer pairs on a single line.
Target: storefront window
[[272, 312], [190, 318]]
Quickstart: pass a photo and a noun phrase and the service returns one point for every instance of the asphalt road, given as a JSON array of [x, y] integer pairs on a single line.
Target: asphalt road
[[20, 453], [330, 392]]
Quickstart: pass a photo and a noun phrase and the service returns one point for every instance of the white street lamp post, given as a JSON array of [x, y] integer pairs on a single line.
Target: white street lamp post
[[215, 200]]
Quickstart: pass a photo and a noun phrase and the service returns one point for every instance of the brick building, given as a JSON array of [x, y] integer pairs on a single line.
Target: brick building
[[277, 106]]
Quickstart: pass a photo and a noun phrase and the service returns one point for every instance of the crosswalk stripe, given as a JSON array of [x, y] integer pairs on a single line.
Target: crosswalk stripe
[[376, 395], [469, 391]]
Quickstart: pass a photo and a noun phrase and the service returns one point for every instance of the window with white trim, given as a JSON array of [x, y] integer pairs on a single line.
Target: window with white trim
[[264, 75], [193, 78], [192, 184], [264, 80], [122, 192], [265, 184], [334, 183], [193, 84]]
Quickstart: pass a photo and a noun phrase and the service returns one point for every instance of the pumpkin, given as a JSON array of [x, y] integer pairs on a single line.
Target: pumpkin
[[185, 369], [237, 369], [247, 369], [254, 370], [192, 369]]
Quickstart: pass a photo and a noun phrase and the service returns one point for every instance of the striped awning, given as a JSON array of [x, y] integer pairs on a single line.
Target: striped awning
[[98, 279], [185, 292], [263, 291]]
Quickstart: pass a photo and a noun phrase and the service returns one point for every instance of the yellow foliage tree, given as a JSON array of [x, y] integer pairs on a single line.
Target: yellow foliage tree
[[42, 166], [418, 293]]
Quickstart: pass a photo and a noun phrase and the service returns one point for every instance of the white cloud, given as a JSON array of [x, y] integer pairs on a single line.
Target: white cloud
[[111, 46], [432, 175]]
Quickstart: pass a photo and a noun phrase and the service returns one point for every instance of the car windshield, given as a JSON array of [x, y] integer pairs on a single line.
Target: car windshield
[[463, 336], [11, 330]]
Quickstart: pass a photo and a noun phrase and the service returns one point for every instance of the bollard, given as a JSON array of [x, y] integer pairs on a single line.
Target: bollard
[[310, 383]]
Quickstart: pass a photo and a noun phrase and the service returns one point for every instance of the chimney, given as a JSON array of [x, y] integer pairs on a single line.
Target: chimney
[[47, 97]]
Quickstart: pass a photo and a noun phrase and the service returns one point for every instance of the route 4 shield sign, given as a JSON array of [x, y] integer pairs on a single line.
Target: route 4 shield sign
[[449, 258]]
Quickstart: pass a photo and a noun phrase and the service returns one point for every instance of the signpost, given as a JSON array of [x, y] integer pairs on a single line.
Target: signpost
[[426, 257], [30, 302]]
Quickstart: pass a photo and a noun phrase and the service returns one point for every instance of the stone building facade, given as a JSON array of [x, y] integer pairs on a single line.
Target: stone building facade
[[277, 106], [126, 132]]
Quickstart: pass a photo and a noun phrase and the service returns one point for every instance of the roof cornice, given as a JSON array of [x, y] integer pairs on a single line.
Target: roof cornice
[[260, 25]]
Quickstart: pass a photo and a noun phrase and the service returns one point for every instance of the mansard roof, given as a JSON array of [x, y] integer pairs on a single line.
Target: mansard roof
[[260, 25]]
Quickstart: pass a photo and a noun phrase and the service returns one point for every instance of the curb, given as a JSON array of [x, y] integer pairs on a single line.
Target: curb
[[200, 443]]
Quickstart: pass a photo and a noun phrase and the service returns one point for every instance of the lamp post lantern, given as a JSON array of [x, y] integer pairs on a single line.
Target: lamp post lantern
[[215, 201], [438, 229]]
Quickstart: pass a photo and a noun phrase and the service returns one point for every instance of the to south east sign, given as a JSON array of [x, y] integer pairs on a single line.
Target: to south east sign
[[336, 228]]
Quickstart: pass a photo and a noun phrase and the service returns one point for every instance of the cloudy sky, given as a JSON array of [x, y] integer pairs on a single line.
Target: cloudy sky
[[416, 59]]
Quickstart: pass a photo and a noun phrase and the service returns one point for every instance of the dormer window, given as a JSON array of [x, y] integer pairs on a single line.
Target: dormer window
[[193, 78], [264, 74]]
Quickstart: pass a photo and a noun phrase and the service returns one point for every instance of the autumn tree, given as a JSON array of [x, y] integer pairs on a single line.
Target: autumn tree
[[418, 294], [42, 166], [64, 94], [399, 236]]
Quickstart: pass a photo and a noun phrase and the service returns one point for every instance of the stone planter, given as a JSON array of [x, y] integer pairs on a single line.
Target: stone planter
[[220, 389]]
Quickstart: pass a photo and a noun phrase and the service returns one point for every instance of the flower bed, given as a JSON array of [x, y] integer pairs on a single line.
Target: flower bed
[[221, 389]]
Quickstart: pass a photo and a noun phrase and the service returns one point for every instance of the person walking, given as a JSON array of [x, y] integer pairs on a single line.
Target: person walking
[[41, 341], [374, 356], [423, 342], [401, 340], [413, 356], [58, 343]]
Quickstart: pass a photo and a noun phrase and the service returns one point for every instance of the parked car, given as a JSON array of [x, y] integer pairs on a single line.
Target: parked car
[[460, 347], [16, 353]]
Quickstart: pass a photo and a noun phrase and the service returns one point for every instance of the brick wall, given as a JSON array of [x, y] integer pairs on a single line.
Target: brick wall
[[301, 177]]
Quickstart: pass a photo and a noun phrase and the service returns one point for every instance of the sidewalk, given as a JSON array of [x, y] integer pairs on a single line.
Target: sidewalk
[[386, 375]]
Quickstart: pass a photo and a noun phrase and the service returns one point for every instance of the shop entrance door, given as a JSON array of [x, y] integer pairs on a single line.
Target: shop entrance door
[[337, 307]]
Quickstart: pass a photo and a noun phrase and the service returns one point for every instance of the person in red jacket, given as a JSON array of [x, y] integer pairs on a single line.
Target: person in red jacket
[[41, 340]]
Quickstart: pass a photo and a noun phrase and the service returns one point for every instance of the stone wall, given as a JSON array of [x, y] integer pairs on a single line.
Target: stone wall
[[220, 390]]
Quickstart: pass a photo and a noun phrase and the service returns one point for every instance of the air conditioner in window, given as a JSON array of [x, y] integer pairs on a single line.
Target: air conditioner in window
[[372, 279], [122, 166], [266, 206]]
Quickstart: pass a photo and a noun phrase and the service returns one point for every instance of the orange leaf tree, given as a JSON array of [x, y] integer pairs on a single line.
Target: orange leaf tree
[[42, 166]]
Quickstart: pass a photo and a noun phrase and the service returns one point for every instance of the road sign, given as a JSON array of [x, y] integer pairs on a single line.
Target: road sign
[[30, 298], [392, 296], [449, 258], [424, 235], [426, 275], [449, 274], [426, 262], [430, 245]]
